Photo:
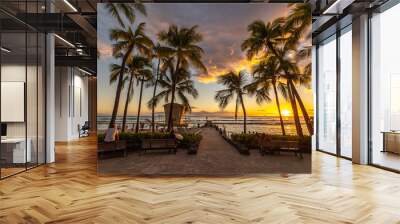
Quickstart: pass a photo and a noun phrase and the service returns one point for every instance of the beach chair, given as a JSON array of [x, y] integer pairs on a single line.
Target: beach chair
[[277, 145], [110, 147]]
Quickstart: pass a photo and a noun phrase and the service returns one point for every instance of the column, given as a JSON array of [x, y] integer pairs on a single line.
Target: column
[[360, 90]]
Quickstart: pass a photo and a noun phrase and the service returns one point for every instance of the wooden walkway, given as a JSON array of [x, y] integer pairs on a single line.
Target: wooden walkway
[[215, 157], [70, 191]]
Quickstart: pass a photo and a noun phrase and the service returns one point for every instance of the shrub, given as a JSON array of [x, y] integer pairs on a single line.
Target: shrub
[[190, 139], [136, 138], [100, 137], [250, 140]]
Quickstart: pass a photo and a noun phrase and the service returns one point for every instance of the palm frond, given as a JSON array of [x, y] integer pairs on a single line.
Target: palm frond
[[122, 11], [223, 97], [282, 88], [157, 98], [262, 95], [185, 102]]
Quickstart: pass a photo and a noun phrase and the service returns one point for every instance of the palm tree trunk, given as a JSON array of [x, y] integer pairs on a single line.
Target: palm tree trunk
[[154, 94], [139, 107], [303, 109], [244, 114], [128, 95], [236, 108], [170, 114], [295, 112], [119, 88], [170, 120], [116, 101], [279, 109]]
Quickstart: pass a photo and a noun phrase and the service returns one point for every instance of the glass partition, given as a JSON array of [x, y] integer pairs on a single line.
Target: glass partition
[[22, 67], [14, 153]]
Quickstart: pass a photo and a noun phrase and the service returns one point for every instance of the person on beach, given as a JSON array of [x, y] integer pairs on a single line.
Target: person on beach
[[112, 134]]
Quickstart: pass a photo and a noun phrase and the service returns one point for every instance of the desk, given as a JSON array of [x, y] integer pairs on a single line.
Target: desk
[[391, 141], [13, 150]]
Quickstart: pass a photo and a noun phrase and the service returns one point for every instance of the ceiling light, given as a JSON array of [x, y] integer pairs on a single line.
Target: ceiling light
[[64, 40], [338, 6], [84, 71], [70, 5], [79, 51], [5, 50]]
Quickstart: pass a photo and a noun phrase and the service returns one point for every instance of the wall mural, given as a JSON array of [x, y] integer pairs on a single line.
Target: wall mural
[[204, 89]]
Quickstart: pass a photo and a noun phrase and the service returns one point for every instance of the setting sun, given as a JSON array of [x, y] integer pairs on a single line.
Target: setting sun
[[285, 113]]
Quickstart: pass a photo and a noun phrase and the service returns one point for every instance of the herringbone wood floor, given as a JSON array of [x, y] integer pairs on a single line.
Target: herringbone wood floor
[[70, 191]]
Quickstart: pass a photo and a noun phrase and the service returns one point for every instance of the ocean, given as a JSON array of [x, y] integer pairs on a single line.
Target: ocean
[[259, 124]]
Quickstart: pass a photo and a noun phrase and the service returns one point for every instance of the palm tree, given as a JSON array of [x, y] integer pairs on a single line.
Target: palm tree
[[235, 84], [144, 74], [125, 11], [297, 24], [183, 86], [267, 39], [280, 38], [236, 108], [126, 41], [182, 43], [264, 38], [134, 66], [277, 38], [299, 20], [302, 78], [266, 74], [115, 71], [161, 54]]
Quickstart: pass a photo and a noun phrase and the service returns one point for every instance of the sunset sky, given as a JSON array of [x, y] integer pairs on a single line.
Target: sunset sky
[[223, 26]]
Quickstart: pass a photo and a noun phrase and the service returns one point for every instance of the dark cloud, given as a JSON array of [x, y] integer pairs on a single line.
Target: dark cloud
[[223, 26]]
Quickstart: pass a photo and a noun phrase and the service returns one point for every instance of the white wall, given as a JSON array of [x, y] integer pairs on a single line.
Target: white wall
[[81, 104], [12, 73], [71, 102], [33, 127], [16, 73], [61, 113]]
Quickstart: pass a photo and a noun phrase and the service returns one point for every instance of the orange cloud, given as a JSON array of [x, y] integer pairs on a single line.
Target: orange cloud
[[214, 71], [104, 49]]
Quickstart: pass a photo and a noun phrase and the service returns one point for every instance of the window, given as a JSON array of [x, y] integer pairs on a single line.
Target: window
[[385, 89], [327, 95], [346, 92], [335, 74]]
